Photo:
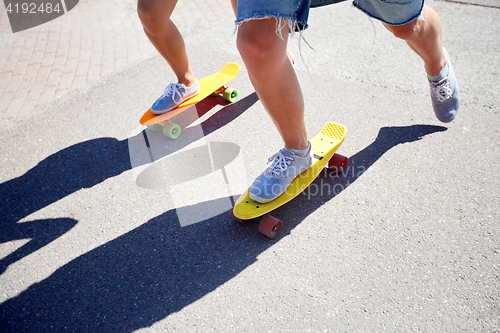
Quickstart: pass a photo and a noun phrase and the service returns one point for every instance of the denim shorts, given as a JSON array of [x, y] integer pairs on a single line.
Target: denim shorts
[[392, 12], [295, 12]]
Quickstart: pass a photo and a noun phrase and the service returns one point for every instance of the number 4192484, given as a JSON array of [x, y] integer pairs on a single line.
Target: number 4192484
[[33, 8]]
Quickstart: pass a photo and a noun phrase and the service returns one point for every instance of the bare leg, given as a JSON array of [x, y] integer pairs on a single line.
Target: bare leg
[[234, 4], [273, 78], [424, 37], [162, 32]]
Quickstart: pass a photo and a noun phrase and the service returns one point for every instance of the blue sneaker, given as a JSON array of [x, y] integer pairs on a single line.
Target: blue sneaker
[[445, 93], [285, 166], [173, 95]]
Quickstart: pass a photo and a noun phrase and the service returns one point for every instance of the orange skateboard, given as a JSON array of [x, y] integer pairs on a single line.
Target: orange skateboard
[[213, 84], [324, 146]]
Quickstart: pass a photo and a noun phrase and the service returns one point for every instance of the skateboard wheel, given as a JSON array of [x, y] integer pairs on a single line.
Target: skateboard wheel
[[338, 163], [155, 127], [172, 130], [237, 219], [270, 226], [230, 95]]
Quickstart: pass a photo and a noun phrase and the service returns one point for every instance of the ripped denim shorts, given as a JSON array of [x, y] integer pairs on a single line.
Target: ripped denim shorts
[[293, 12], [296, 12], [392, 12]]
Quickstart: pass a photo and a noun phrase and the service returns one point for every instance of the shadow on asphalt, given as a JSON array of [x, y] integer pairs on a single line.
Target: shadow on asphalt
[[59, 175], [158, 268], [330, 184], [80, 166]]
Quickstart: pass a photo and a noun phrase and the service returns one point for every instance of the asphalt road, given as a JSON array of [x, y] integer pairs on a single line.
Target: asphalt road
[[96, 236]]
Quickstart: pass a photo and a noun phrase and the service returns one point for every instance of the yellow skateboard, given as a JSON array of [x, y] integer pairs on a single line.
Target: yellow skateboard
[[213, 84], [324, 146]]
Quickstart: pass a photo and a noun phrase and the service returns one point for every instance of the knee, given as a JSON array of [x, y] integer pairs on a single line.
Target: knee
[[257, 46], [246, 45], [148, 11], [406, 31]]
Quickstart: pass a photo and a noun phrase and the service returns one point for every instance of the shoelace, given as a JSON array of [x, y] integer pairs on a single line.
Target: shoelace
[[280, 163], [441, 91], [173, 88]]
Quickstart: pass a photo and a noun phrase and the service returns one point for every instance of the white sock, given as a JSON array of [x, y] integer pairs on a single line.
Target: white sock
[[436, 78], [302, 152]]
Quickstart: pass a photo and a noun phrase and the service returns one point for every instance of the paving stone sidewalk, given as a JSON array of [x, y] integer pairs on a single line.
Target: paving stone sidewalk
[[94, 39]]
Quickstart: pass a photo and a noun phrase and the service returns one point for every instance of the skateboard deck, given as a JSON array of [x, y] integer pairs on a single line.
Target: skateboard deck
[[209, 85], [324, 146]]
